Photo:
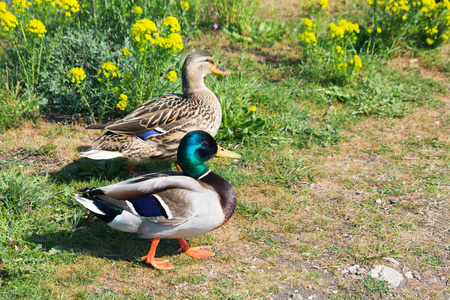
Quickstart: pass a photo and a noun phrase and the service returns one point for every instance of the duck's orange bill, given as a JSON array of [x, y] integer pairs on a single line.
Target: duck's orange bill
[[220, 71]]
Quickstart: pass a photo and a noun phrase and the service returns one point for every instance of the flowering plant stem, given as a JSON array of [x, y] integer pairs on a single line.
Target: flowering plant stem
[[22, 63], [102, 112], [141, 87], [86, 102], [39, 63]]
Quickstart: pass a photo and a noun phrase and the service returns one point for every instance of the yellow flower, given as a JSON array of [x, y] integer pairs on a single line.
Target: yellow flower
[[239, 99], [343, 27], [36, 26], [122, 102], [126, 52], [339, 50], [3, 7], [172, 75], [252, 108], [379, 30], [109, 68], [369, 30], [324, 3], [172, 23], [21, 5], [116, 89], [356, 62], [173, 41], [404, 17], [370, 2], [69, 6], [123, 97], [309, 38], [143, 29], [308, 23], [184, 5], [77, 75], [429, 41], [7, 19], [137, 10], [342, 67]]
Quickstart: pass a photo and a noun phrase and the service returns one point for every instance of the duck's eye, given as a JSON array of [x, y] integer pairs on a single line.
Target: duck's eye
[[205, 144]]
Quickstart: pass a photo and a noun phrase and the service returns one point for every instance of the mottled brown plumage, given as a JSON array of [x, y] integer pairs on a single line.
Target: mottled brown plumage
[[171, 116]]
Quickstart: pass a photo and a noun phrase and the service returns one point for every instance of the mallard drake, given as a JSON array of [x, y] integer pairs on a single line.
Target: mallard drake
[[170, 204], [152, 132]]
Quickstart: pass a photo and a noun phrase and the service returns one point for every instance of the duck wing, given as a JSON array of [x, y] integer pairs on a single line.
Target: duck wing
[[161, 113], [163, 198]]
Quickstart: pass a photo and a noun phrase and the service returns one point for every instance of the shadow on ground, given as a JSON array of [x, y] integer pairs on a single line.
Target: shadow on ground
[[94, 238]]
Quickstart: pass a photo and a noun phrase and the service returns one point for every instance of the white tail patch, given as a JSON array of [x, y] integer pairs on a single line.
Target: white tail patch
[[101, 154], [89, 204]]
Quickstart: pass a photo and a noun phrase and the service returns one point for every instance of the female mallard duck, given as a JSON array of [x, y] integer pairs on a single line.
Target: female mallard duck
[[152, 132], [170, 204]]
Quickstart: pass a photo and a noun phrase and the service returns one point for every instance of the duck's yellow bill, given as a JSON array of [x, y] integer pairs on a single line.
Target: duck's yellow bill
[[222, 152], [220, 71]]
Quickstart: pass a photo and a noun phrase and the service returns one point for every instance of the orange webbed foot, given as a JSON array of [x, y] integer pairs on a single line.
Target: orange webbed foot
[[158, 263], [200, 252], [197, 252]]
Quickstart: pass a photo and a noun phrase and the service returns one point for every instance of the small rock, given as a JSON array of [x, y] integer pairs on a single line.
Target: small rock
[[437, 123], [391, 260], [378, 201], [253, 268], [409, 275], [361, 271], [335, 291], [345, 272], [382, 272], [359, 192], [353, 269], [297, 297], [312, 297]]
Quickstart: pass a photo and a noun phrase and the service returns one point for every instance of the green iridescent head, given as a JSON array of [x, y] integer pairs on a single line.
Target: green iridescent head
[[197, 147]]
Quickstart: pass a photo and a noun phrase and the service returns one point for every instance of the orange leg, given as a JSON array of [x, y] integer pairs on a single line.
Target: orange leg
[[197, 252], [157, 263], [179, 168], [130, 169]]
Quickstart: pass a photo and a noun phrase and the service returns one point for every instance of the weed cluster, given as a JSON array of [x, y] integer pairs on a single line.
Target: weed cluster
[[97, 58], [333, 48]]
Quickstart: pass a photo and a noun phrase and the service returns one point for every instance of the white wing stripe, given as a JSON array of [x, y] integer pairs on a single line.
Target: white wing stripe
[[130, 205], [165, 206]]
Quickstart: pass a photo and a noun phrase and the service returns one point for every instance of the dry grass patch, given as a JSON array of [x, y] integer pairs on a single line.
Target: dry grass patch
[[45, 145]]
